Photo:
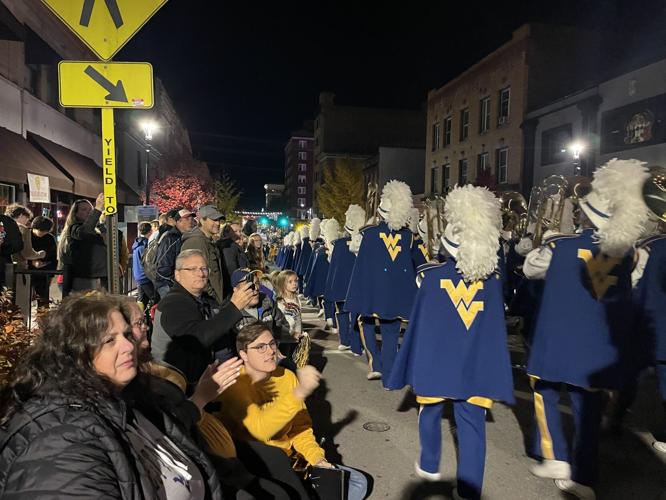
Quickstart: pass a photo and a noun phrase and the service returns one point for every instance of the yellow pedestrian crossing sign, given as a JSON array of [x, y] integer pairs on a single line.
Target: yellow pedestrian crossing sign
[[105, 84], [104, 25]]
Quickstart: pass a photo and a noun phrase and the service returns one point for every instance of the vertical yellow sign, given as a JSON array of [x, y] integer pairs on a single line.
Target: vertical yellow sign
[[109, 161]]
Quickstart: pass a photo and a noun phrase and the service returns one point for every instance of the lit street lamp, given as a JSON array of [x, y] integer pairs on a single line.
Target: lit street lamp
[[576, 149], [148, 127]]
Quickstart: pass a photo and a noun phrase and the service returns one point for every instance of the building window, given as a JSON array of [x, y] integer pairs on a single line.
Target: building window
[[484, 115], [462, 171], [302, 179], [435, 180], [302, 155], [447, 177], [502, 165], [301, 190], [435, 135], [448, 125], [302, 144], [301, 202], [7, 195], [554, 144], [482, 164], [504, 105], [302, 167], [464, 124]]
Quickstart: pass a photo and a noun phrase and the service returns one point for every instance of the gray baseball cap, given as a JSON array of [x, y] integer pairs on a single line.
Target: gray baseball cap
[[210, 212]]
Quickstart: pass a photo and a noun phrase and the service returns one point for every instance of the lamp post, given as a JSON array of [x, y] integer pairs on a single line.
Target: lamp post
[[148, 127], [576, 149]]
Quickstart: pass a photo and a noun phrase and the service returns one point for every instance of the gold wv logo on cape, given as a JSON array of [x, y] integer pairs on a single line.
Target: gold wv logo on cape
[[462, 297], [598, 269], [391, 241]]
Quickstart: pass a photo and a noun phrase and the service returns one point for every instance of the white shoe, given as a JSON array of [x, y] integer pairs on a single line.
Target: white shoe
[[552, 469], [320, 314], [659, 446], [428, 476], [576, 489], [374, 375], [343, 347]]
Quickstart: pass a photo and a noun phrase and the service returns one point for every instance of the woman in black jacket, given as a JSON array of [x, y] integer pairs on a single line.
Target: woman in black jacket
[[79, 420]]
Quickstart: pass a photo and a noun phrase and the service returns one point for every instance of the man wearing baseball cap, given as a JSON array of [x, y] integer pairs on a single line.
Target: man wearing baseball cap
[[169, 248], [201, 238]]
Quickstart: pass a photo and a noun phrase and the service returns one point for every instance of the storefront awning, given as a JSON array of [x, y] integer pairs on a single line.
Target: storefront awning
[[18, 158], [86, 173]]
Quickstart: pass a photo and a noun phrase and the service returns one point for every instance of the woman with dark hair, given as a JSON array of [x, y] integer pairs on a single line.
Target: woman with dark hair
[[79, 419], [82, 249], [255, 253], [43, 240]]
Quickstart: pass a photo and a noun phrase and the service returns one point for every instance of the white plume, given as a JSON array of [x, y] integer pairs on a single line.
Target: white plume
[[475, 216], [414, 216], [620, 183], [315, 229], [354, 218], [399, 206], [297, 239], [331, 231], [305, 232]]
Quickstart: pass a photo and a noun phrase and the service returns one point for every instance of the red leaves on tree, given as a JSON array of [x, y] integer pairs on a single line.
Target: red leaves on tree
[[181, 182]]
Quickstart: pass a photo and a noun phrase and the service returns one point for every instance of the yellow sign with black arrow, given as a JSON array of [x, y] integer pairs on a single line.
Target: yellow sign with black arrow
[[104, 25], [105, 85]]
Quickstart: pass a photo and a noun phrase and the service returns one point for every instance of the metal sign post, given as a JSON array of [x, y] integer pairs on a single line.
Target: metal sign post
[[110, 199]]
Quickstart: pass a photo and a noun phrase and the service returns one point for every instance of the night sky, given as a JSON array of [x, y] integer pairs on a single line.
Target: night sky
[[243, 76]]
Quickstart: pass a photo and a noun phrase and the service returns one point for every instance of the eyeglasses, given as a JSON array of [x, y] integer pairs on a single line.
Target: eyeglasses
[[203, 270], [140, 323], [262, 348]]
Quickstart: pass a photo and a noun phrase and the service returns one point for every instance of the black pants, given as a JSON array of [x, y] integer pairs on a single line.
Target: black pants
[[147, 293], [271, 463]]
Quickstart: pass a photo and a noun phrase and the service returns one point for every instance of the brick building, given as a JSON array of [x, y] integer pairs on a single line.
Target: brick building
[[299, 174]]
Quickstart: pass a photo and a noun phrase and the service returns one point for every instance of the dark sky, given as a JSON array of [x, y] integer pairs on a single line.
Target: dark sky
[[243, 75]]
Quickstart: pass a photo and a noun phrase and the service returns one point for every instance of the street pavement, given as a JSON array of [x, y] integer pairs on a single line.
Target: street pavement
[[375, 430]]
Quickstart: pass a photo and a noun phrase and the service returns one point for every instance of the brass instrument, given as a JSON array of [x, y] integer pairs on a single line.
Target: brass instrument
[[550, 206], [514, 213], [372, 202], [654, 192], [435, 223]]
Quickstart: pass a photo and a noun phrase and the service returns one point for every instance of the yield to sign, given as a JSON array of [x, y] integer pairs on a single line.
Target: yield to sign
[[104, 25], [105, 84]]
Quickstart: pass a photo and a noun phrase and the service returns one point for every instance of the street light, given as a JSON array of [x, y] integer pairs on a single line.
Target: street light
[[576, 149], [148, 127]]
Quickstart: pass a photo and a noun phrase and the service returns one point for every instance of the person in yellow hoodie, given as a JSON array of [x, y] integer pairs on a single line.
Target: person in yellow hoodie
[[267, 404]]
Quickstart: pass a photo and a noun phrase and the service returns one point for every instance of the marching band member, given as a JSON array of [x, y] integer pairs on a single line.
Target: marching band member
[[419, 246], [339, 274], [288, 259], [303, 256], [315, 241], [296, 244], [382, 285], [310, 277], [582, 337], [455, 347]]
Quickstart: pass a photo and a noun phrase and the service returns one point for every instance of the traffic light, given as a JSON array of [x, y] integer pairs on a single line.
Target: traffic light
[[283, 221], [263, 221]]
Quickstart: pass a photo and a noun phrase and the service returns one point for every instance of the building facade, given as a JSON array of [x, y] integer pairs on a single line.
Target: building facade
[[475, 120], [299, 175], [351, 136], [620, 117], [274, 196], [401, 164]]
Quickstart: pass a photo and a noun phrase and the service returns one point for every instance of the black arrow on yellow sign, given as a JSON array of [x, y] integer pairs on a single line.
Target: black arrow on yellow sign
[[116, 92], [112, 7]]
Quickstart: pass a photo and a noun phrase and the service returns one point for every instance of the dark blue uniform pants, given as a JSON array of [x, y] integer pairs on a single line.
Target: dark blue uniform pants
[[343, 320], [549, 440], [471, 431], [380, 361]]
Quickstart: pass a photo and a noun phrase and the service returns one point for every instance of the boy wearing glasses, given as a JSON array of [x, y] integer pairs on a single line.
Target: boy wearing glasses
[[267, 404]]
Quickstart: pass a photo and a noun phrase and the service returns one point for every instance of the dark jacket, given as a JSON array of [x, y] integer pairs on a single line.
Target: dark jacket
[[188, 329], [11, 243], [49, 245], [86, 256], [167, 251], [80, 450], [197, 240], [234, 258], [268, 312]]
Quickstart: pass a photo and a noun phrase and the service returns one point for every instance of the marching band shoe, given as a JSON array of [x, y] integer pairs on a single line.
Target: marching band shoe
[[428, 476], [659, 446], [343, 347], [321, 313], [576, 489], [552, 469], [374, 375], [356, 354]]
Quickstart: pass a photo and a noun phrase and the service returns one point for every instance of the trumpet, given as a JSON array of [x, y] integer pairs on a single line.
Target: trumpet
[[550, 206], [435, 223]]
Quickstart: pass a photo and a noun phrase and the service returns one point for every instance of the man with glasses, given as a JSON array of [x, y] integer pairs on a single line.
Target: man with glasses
[[267, 404], [168, 248], [190, 325]]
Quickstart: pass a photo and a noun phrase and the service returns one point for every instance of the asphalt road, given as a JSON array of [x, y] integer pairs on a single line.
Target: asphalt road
[[346, 405]]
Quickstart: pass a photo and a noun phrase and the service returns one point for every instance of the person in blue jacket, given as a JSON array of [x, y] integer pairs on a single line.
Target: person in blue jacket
[[382, 285], [584, 337], [455, 348]]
